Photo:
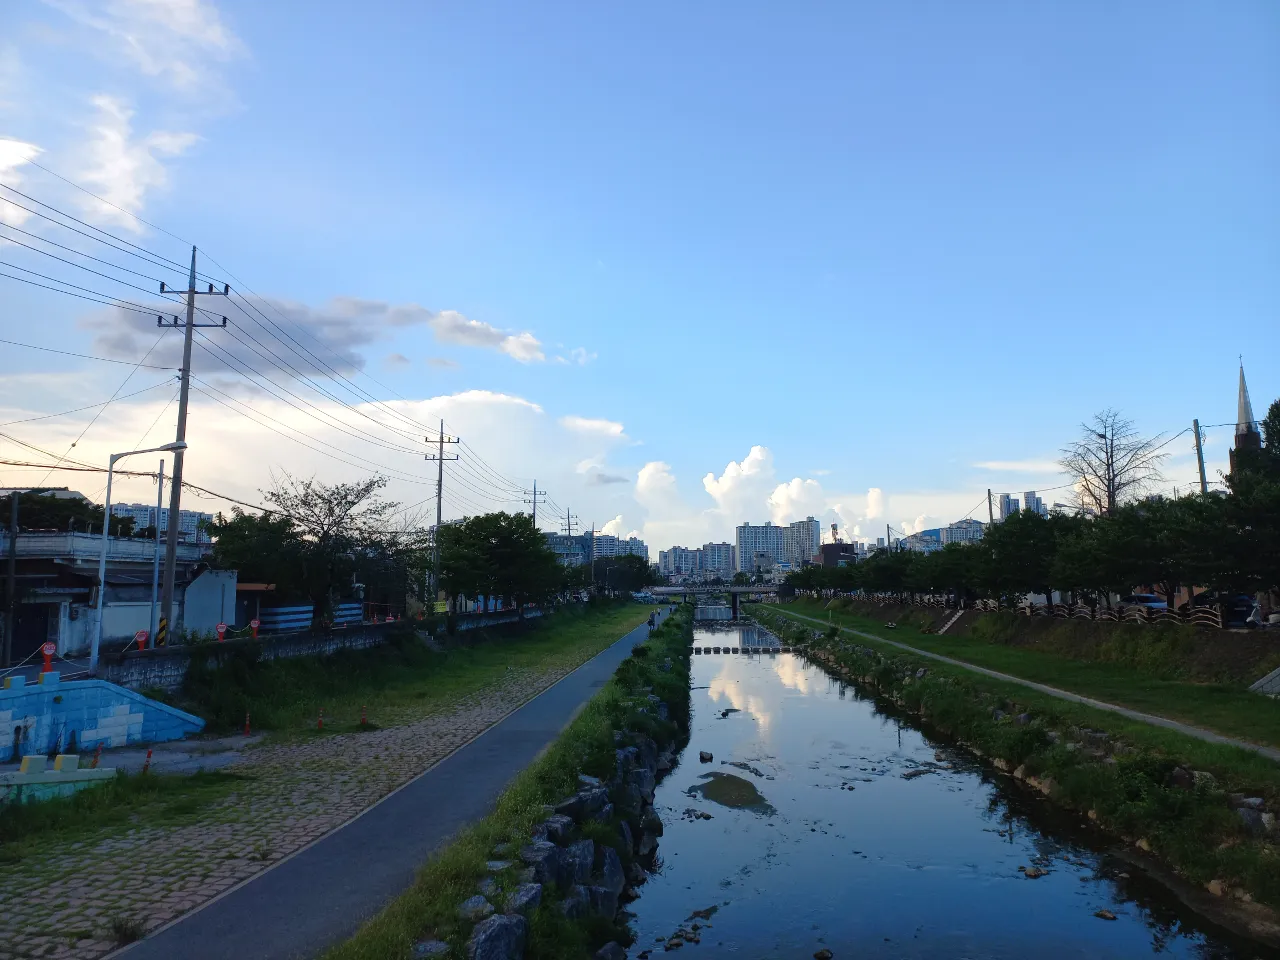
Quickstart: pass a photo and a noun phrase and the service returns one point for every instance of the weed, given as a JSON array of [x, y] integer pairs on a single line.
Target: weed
[[125, 930]]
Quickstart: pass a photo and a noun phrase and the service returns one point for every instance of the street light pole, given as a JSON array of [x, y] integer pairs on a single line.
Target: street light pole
[[175, 447]]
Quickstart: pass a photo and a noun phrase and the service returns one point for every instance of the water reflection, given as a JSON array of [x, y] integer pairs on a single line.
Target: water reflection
[[881, 843]]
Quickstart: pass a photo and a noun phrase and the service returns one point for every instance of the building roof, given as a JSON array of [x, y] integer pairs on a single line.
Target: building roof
[[1244, 409]]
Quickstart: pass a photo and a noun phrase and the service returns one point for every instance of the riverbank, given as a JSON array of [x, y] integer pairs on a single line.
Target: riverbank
[[1226, 708], [540, 877], [81, 870], [1205, 812]]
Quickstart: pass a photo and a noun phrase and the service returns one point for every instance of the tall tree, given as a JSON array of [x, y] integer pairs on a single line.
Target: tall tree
[[1111, 463]]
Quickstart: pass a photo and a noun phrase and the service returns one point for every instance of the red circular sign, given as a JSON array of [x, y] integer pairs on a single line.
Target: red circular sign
[[140, 635], [255, 624], [222, 628], [49, 648]]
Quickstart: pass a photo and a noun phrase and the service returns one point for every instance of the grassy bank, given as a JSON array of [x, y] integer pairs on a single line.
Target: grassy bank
[[399, 681], [428, 910], [1135, 780], [27, 830], [1223, 708]]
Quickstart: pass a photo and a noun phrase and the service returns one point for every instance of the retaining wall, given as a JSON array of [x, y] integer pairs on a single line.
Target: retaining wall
[[45, 714]]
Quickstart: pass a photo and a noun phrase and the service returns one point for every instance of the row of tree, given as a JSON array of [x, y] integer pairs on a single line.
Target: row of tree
[[328, 543], [1224, 541]]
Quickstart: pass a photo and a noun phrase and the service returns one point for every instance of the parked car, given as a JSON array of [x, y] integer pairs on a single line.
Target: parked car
[[1238, 609], [1148, 600]]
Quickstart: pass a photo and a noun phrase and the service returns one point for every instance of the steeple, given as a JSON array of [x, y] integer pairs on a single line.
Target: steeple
[[1244, 409]]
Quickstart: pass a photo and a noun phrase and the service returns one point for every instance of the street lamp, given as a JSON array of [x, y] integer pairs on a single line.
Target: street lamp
[[176, 447]]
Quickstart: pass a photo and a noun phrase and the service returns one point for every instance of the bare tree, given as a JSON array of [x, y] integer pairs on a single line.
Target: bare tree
[[1111, 463]]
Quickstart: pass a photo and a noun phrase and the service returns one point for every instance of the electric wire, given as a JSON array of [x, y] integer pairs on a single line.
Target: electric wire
[[103, 403], [85, 356]]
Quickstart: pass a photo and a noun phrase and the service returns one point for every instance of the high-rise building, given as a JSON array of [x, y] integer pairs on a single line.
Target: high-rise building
[[190, 528], [926, 541], [607, 545], [753, 540], [1008, 506], [962, 531], [801, 540], [681, 561], [717, 559], [1033, 503]]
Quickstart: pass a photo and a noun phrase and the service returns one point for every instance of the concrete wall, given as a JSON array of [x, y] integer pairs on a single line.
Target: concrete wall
[[95, 710], [210, 599], [122, 619]]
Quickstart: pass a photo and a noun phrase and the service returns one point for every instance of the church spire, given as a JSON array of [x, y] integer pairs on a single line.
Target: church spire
[[1244, 409]]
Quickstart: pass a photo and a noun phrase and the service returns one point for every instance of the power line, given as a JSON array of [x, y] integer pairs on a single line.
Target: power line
[[60, 246], [113, 302], [84, 356], [64, 413]]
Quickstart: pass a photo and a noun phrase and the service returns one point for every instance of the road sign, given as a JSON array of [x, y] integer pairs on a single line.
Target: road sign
[[141, 639], [222, 632], [254, 624], [48, 649]]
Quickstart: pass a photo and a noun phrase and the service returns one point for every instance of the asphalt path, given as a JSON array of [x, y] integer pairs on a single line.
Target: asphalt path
[[1200, 733], [321, 894]]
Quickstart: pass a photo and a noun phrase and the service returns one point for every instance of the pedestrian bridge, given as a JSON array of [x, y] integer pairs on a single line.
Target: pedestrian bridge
[[701, 590]]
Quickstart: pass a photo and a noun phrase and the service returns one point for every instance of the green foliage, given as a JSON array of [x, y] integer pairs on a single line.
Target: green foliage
[[498, 555], [626, 572], [41, 510], [429, 908]]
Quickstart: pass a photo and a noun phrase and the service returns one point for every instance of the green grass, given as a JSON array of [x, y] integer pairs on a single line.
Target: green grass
[[429, 908], [1223, 709], [396, 683], [27, 829]]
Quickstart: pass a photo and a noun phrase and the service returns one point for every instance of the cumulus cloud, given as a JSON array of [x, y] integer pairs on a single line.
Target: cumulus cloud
[[13, 154], [875, 503], [614, 527], [490, 398], [593, 426], [796, 499], [743, 488]]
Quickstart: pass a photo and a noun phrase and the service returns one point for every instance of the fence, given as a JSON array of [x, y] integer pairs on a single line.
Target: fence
[[1132, 613]]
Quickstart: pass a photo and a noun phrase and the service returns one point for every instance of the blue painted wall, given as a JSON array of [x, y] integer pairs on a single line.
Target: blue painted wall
[[98, 712]]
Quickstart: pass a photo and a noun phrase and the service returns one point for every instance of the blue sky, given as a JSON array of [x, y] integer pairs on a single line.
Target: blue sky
[[885, 244]]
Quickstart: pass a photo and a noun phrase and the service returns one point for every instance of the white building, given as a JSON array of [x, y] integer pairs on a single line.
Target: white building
[[144, 515], [753, 540], [607, 545], [680, 561], [962, 531], [802, 541], [921, 543], [1033, 503], [717, 559]]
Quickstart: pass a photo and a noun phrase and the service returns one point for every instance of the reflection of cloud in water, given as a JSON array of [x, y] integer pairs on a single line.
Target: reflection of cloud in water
[[725, 685], [792, 673]]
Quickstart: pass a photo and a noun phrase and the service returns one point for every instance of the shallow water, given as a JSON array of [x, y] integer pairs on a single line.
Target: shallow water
[[865, 837]]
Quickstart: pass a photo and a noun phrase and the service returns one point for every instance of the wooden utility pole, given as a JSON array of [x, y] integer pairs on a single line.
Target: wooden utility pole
[[991, 515]]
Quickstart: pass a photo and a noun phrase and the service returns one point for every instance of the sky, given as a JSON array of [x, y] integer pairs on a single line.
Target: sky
[[684, 265]]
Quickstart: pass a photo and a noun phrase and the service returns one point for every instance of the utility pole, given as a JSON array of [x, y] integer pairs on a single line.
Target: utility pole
[[1195, 428], [10, 589], [534, 501], [155, 566], [991, 515], [175, 491], [570, 522], [888, 538], [440, 458]]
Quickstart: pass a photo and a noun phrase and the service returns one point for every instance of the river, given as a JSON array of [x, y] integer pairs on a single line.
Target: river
[[848, 829]]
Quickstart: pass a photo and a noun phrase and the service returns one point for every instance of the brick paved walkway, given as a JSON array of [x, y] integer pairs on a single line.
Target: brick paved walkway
[[60, 905]]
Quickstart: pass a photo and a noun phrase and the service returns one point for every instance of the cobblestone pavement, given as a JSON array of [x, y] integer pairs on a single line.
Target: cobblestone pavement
[[61, 904]]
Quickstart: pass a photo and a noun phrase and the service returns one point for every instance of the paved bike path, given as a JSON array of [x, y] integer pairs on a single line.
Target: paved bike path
[[321, 895], [1198, 732]]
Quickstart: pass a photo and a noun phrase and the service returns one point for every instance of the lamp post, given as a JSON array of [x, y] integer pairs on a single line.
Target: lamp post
[[175, 447]]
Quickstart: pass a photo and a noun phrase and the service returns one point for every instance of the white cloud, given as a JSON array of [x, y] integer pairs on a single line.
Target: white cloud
[[119, 168], [1021, 466], [179, 42], [487, 398], [875, 503], [442, 363], [13, 154], [741, 491], [921, 522], [593, 426], [656, 485], [796, 499], [614, 527], [396, 360], [450, 326], [580, 356]]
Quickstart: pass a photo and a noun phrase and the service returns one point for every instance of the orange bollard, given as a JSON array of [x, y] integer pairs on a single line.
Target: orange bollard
[[147, 763], [246, 723], [97, 755], [48, 649], [320, 722]]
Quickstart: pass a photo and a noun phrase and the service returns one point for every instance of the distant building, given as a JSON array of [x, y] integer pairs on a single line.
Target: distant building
[[751, 540], [1033, 503], [839, 554], [1008, 506], [717, 559], [879, 543], [801, 540], [571, 550], [962, 531], [922, 542], [607, 545], [190, 528], [1247, 435], [681, 561]]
